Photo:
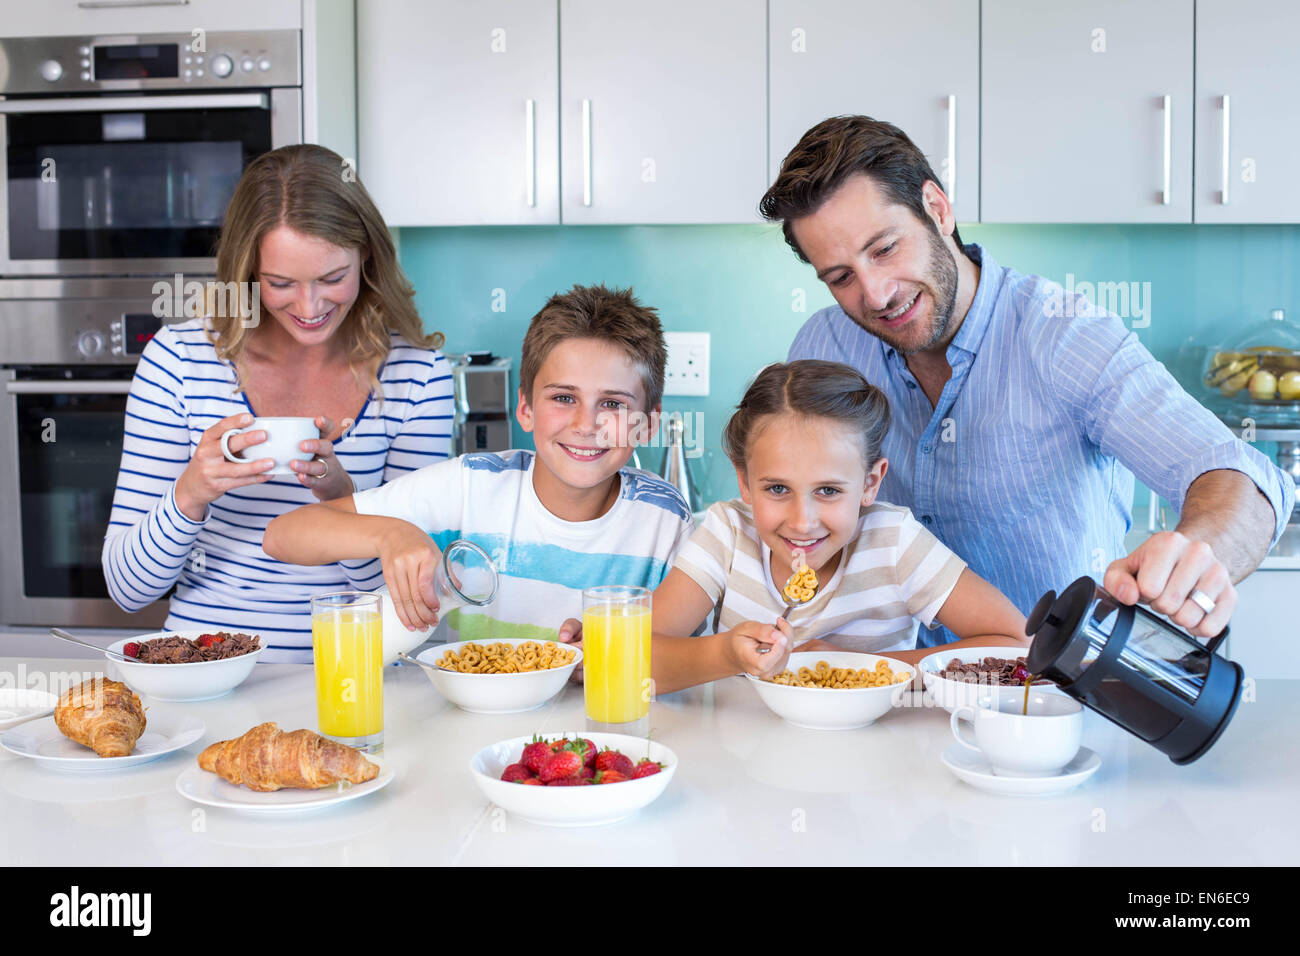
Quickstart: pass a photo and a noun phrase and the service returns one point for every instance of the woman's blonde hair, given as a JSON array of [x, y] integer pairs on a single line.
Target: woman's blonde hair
[[313, 190]]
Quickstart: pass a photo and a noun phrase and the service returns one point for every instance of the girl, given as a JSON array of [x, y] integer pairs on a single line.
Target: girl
[[805, 442]]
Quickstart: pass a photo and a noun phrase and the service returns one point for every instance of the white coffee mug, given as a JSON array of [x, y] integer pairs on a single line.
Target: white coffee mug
[[1038, 744], [283, 436]]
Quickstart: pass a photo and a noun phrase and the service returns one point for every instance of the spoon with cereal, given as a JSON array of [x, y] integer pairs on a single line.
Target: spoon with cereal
[[800, 588]]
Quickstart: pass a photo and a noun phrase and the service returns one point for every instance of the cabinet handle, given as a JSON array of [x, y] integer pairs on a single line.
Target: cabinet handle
[[1223, 199], [1167, 106], [952, 148], [586, 152], [530, 151]]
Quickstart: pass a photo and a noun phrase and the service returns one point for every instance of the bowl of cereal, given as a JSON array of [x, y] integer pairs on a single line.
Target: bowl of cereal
[[501, 676], [185, 665], [834, 690], [959, 678]]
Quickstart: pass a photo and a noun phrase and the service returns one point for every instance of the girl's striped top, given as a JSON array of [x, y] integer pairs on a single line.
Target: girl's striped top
[[223, 578]]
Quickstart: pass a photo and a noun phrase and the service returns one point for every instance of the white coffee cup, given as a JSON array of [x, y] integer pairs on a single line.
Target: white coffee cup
[[283, 436], [1038, 744]]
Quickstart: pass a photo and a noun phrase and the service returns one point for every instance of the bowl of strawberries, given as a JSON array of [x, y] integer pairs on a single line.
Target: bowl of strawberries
[[573, 779], [185, 665]]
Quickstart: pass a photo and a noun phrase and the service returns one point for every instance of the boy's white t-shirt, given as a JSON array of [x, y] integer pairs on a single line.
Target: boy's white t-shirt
[[893, 573], [544, 561]]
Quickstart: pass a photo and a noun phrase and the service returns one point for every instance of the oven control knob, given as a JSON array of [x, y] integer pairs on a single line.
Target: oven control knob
[[90, 343], [52, 70], [222, 65]]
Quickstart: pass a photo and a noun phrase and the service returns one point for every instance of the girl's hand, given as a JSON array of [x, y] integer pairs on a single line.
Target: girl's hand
[[209, 475], [571, 634], [323, 475], [745, 640], [409, 557]]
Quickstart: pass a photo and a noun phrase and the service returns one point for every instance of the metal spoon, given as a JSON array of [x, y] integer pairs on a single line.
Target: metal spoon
[[767, 648], [411, 660], [65, 636]]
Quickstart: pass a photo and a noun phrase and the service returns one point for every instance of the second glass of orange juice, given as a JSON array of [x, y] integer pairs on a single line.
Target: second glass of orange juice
[[616, 657], [348, 647]]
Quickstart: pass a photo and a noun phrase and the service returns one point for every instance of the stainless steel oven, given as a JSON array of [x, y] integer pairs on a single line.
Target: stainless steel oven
[[67, 354], [118, 154]]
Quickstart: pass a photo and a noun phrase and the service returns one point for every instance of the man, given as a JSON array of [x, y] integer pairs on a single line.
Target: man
[[1016, 431]]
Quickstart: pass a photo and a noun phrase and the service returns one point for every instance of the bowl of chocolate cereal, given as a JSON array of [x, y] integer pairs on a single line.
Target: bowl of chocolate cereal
[[185, 665], [504, 675], [959, 678], [834, 690]]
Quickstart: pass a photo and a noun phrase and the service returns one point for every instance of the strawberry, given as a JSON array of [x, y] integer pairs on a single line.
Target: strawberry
[[613, 760], [609, 776], [535, 754], [646, 768], [531, 782], [586, 773], [131, 649], [590, 759], [516, 771], [207, 640], [565, 763], [570, 782]]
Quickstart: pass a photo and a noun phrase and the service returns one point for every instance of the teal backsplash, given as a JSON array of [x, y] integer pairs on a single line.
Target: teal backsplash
[[1195, 285]]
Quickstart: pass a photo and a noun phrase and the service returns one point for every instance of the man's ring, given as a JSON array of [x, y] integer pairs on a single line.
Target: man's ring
[[326, 472], [1202, 600]]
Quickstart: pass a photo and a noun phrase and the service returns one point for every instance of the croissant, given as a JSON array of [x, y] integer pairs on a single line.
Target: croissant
[[104, 715], [268, 758]]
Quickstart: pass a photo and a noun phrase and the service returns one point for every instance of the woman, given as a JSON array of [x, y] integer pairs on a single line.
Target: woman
[[335, 337]]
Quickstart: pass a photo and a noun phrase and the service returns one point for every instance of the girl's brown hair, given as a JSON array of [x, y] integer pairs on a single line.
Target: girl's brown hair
[[813, 389], [312, 190]]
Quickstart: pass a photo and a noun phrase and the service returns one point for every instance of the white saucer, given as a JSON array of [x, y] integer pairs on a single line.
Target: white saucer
[[975, 770], [19, 705], [42, 741], [207, 788]]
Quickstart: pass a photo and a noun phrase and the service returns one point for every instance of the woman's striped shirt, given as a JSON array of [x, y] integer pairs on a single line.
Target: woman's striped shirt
[[223, 578]]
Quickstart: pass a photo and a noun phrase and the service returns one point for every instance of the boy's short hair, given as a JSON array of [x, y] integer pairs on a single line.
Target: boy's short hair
[[595, 312]]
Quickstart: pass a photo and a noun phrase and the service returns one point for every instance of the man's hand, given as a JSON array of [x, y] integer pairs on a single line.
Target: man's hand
[[1163, 573], [571, 634]]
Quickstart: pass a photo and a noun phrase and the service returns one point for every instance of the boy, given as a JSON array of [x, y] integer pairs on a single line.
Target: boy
[[565, 517]]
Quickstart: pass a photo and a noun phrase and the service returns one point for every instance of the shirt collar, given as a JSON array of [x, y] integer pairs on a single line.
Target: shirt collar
[[978, 316]]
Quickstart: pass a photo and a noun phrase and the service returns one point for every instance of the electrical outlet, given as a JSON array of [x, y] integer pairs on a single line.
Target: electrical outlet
[[688, 363]]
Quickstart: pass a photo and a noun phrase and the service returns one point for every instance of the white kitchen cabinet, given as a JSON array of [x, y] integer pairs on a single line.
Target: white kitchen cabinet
[[1247, 111], [1087, 111], [61, 18], [834, 57], [457, 105], [663, 111]]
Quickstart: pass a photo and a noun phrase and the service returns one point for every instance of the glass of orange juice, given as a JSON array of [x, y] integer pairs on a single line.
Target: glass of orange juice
[[348, 646], [616, 658]]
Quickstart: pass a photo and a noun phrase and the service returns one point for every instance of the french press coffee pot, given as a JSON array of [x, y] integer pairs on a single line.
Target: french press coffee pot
[[1134, 668]]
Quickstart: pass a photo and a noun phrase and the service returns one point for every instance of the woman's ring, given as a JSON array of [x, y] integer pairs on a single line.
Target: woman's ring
[[1202, 600], [326, 472]]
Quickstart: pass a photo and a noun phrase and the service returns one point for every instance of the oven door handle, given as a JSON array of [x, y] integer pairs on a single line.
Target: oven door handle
[[58, 387], [106, 104]]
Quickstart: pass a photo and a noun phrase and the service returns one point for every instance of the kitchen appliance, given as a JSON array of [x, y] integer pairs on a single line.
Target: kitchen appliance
[[1134, 668], [675, 469], [119, 154], [482, 388], [68, 349]]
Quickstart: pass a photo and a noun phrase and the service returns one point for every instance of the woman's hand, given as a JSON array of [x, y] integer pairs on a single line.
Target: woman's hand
[[209, 475], [571, 634], [323, 475], [745, 640], [409, 558]]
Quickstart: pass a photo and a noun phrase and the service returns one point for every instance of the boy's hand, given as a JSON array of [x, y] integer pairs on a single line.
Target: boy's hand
[[409, 557], [571, 633], [746, 639]]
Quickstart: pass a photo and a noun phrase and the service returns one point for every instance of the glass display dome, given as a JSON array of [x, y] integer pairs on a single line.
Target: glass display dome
[[1260, 366]]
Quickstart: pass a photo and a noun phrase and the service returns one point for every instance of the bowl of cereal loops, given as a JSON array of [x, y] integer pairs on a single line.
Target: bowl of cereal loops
[[501, 676], [834, 690]]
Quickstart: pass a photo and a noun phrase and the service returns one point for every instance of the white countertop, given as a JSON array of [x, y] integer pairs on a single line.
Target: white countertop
[[749, 789]]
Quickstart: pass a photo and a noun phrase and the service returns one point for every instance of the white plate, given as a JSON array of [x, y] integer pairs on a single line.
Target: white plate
[[975, 770], [572, 806], [19, 705], [42, 741], [203, 786]]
